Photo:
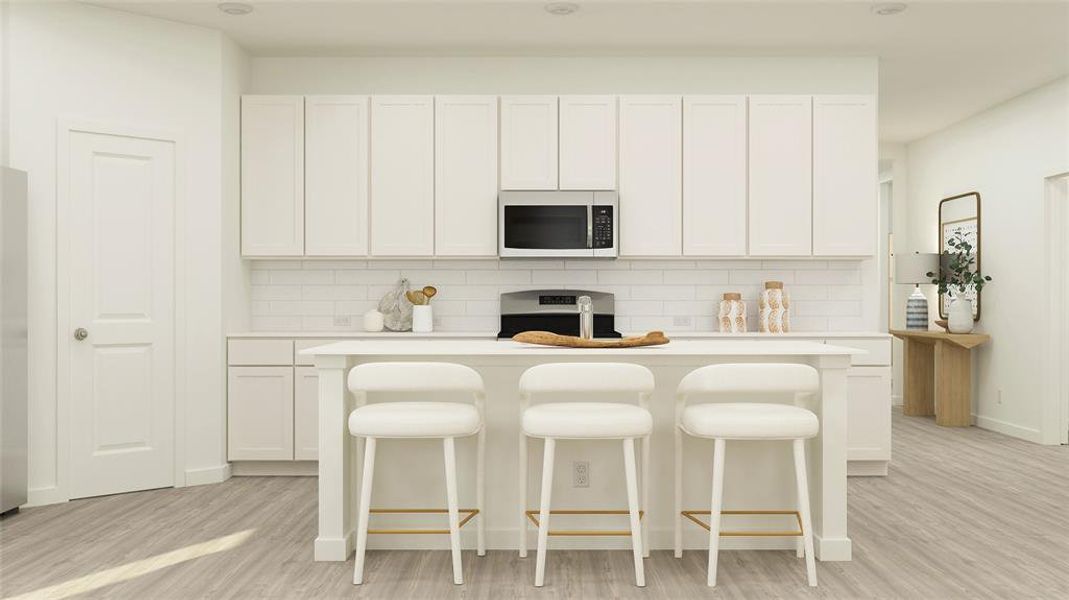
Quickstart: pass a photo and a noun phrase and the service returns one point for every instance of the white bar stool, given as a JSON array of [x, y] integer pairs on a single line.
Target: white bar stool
[[419, 420], [586, 421], [746, 421]]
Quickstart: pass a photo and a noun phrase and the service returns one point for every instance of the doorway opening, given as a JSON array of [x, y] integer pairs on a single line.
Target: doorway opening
[[1056, 406]]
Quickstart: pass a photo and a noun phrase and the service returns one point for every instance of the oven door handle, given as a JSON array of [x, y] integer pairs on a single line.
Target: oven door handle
[[590, 226]]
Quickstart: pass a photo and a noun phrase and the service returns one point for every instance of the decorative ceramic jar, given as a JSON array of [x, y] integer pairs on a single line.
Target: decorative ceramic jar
[[959, 317], [774, 309], [373, 321], [422, 319], [732, 313]]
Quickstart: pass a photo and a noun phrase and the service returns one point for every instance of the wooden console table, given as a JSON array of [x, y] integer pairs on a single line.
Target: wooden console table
[[938, 374]]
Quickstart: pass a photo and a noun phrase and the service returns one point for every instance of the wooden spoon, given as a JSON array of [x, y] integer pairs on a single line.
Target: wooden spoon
[[416, 297], [430, 292]]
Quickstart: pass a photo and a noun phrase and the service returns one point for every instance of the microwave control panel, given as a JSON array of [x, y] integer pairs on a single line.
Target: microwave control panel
[[602, 226]]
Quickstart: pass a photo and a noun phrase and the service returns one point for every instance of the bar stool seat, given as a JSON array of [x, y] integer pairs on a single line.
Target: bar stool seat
[[746, 421], [414, 419], [587, 420]]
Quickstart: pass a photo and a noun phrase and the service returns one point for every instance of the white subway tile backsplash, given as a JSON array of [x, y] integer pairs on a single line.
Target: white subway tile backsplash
[[671, 295]]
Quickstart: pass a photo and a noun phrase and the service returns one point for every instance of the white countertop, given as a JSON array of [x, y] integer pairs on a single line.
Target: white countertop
[[679, 335], [378, 347]]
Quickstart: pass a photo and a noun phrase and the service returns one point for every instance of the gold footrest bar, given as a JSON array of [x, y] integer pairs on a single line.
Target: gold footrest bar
[[532, 515], [470, 512], [690, 515]]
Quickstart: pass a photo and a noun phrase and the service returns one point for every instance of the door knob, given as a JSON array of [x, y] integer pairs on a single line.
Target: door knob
[[80, 334]]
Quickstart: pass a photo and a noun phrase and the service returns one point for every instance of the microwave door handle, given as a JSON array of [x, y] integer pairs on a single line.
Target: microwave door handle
[[590, 226]]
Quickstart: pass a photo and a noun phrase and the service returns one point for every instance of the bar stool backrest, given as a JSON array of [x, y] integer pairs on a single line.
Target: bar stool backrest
[[750, 378], [593, 378], [415, 377]]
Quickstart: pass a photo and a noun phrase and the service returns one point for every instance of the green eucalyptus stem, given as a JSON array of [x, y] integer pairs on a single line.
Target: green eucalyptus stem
[[958, 275]]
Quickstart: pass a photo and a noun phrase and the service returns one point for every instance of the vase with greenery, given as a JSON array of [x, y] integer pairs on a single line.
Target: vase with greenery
[[958, 276]]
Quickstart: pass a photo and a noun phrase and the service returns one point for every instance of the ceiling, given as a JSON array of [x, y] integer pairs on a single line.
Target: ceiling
[[940, 61]]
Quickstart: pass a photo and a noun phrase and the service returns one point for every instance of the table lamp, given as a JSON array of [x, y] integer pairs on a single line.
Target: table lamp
[[914, 268]]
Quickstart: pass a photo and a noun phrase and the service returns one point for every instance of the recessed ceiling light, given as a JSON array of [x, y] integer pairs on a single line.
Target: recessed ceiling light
[[561, 8], [235, 8], [888, 8]]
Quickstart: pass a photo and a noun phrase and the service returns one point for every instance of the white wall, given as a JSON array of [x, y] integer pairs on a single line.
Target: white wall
[[1004, 154], [99, 65]]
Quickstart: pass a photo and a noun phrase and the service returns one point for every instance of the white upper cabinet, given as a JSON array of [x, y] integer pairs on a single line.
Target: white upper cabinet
[[272, 175], [781, 174], [465, 176], [336, 175], [402, 175], [528, 142], [844, 175], [651, 203], [587, 142], [714, 175]]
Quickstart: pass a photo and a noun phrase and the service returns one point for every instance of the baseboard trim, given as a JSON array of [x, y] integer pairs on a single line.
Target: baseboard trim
[[45, 496], [896, 400], [1010, 429], [208, 475], [867, 468], [275, 468]]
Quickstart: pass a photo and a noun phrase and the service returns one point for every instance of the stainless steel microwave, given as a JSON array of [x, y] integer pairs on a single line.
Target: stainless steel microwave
[[558, 224]]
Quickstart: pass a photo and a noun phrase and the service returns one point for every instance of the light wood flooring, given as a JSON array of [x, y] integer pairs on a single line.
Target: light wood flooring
[[965, 513]]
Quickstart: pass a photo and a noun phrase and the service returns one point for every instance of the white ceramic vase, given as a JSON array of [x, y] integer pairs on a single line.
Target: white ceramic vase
[[422, 319], [959, 316]]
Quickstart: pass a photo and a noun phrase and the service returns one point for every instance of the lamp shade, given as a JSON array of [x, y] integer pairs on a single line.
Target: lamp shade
[[914, 268]]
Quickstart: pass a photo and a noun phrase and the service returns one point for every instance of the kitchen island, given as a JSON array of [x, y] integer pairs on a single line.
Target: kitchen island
[[758, 475]]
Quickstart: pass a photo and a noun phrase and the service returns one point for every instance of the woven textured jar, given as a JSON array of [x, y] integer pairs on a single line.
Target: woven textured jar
[[732, 313], [774, 306]]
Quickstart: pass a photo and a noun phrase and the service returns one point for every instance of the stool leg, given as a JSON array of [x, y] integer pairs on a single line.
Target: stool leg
[[678, 516], [480, 493], [632, 506], [803, 507], [451, 502], [646, 496], [719, 448], [543, 513], [523, 495], [365, 508]]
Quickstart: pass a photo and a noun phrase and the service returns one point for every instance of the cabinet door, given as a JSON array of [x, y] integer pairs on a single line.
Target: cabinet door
[[260, 413], [336, 175], [402, 175], [781, 172], [465, 176], [868, 431], [651, 202], [587, 143], [529, 142], [845, 200], [714, 175], [272, 175], [305, 413]]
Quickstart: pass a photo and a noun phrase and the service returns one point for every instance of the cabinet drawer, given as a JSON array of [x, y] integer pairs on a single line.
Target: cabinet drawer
[[259, 352], [878, 350], [306, 360]]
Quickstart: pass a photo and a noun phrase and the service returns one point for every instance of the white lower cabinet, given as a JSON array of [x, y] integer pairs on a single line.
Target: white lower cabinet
[[868, 433], [305, 413], [260, 413]]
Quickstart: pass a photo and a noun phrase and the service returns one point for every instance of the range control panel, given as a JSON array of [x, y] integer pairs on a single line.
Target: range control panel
[[556, 300], [602, 227]]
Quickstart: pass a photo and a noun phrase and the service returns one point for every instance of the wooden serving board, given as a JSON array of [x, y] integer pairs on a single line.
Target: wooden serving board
[[546, 338]]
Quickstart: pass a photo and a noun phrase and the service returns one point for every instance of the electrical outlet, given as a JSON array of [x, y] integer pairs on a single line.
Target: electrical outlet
[[681, 321], [1000, 396], [342, 321], [581, 474]]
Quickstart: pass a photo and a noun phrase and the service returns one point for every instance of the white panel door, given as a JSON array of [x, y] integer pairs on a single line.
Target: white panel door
[[868, 436], [845, 198], [336, 175], [259, 413], [651, 202], [402, 175], [781, 175], [528, 142], [465, 176], [305, 413], [120, 251], [587, 143], [714, 175], [272, 175]]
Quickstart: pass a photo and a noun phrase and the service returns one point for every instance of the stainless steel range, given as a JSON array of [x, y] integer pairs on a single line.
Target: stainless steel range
[[556, 311]]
